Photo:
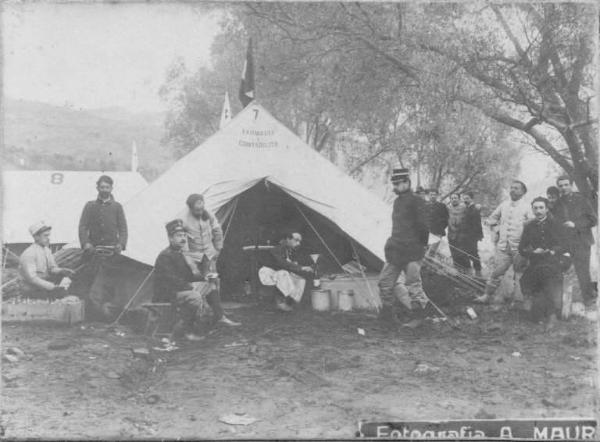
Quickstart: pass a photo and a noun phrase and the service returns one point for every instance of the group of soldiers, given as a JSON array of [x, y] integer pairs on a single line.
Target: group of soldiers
[[541, 241], [185, 272]]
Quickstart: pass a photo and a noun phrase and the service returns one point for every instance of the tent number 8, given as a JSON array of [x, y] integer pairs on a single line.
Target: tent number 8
[[56, 178], [255, 113]]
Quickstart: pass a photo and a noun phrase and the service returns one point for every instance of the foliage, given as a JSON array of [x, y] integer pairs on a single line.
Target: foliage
[[433, 86]]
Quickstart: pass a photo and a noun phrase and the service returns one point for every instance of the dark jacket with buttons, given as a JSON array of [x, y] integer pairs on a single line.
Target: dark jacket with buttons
[[547, 235], [103, 224], [172, 274], [281, 257], [410, 231], [470, 227], [576, 208], [438, 218]]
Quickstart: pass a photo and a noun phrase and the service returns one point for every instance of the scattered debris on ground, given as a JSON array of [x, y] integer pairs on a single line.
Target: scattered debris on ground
[[310, 375]]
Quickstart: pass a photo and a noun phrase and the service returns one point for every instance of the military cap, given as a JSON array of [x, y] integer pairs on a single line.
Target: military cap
[[399, 175], [174, 226]]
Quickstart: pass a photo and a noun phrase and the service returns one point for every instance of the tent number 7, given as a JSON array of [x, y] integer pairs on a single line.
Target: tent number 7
[[255, 113]]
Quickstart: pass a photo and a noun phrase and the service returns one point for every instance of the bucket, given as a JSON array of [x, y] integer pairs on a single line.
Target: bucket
[[346, 300], [320, 300]]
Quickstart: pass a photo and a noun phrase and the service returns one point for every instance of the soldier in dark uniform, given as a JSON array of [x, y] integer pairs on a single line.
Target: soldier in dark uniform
[[438, 219], [542, 243], [470, 233], [578, 217], [173, 279], [405, 249], [552, 194], [102, 230]]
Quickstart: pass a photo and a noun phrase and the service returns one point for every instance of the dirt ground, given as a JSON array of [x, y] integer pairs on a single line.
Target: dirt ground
[[303, 374]]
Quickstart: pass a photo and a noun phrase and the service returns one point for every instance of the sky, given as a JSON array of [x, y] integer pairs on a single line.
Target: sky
[[100, 55]]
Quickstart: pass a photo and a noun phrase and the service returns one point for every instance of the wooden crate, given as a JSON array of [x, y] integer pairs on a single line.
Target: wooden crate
[[364, 299], [32, 311]]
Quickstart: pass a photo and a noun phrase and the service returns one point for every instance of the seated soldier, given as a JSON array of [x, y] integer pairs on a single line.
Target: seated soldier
[[282, 271], [173, 283], [38, 269], [542, 244]]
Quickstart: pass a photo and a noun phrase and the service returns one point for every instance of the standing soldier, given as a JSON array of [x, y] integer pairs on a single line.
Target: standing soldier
[[405, 249], [456, 211], [511, 217], [205, 236], [438, 219], [470, 233], [552, 195], [205, 242], [575, 213], [103, 230]]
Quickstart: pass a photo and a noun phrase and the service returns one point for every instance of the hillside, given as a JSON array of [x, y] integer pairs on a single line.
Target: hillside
[[55, 137]]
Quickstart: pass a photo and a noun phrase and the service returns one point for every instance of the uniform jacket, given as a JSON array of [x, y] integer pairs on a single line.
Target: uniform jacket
[[172, 274], [36, 266], [456, 214], [438, 218], [281, 257], [548, 235], [205, 236], [410, 231], [103, 224], [470, 226], [576, 208], [511, 217]]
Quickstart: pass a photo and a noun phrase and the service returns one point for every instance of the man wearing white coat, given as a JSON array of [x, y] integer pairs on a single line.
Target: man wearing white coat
[[510, 217]]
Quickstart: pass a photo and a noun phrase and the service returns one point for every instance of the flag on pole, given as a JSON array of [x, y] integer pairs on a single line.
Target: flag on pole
[[247, 88], [226, 112]]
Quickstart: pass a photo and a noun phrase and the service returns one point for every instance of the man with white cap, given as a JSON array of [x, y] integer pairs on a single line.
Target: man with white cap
[[37, 266]]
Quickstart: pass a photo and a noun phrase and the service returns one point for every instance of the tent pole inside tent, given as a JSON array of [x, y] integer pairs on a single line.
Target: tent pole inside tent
[[235, 204], [371, 294], [325, 244]]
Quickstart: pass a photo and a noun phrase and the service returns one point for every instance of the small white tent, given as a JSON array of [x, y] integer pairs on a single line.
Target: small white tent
[[56, 197]]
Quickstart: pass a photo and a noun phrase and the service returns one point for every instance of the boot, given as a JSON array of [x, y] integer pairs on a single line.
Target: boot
[[225, 320]]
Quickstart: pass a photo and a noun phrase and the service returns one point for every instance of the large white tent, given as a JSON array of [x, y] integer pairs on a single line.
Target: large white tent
[[57, 197], [254, 172], [255, 148]]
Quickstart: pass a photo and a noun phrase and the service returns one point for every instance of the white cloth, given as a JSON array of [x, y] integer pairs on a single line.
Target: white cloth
[[511, 217], [290, 284]]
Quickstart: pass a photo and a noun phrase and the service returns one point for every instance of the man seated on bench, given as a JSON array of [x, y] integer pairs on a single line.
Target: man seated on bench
[[282, 271], [173, 283], [38, 269]]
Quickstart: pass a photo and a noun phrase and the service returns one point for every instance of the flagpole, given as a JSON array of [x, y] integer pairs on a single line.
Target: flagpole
[[247, 91]]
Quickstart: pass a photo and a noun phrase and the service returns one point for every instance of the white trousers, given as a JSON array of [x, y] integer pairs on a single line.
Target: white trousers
[[290, 284]]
